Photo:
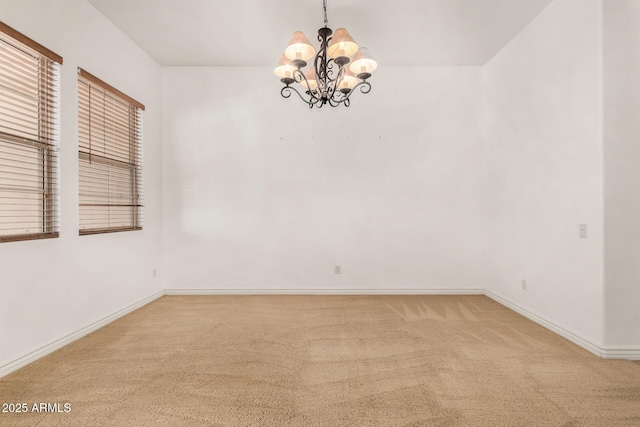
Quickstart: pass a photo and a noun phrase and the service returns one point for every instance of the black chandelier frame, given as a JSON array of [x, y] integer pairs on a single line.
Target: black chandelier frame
[[327, 78]]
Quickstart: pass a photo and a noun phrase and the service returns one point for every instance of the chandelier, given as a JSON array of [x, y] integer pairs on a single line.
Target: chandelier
[[339, 68]]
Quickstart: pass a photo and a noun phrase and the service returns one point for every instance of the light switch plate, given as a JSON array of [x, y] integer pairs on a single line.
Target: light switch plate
[[583, 231]]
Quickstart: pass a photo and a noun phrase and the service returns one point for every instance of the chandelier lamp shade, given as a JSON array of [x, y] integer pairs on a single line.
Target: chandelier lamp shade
[[336, 70]]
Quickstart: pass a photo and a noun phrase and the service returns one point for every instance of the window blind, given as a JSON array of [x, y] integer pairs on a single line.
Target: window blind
[[29, 76], [110, 158]]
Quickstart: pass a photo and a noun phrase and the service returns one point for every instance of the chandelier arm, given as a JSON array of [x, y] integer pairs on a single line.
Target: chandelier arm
[[286, 93], [340, 99], [313, 100], [334, 102], [299, 76], [365, 87]]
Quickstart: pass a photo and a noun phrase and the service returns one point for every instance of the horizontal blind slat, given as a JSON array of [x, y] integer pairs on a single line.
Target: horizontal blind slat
[[28, 141], [109, 138]]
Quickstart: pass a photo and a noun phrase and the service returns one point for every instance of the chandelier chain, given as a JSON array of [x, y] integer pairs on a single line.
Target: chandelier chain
[[324, 8]]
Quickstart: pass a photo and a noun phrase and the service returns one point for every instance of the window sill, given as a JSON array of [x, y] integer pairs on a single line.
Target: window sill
[[24, 237], [108, 230]]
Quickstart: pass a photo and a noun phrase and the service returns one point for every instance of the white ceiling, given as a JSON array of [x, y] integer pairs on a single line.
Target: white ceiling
[[255, 32]]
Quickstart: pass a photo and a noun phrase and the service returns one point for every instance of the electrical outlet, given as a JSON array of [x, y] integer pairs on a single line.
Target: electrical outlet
[[338, 269], [524, 285]]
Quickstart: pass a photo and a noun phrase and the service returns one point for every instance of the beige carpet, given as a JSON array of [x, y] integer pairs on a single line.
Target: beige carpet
[[325, 361]]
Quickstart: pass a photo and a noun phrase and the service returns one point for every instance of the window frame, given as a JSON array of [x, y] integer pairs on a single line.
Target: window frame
[[46, 69], [109, 161]]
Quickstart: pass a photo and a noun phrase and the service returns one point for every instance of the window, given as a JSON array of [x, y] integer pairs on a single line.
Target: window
[[110, 158], [29, 75]]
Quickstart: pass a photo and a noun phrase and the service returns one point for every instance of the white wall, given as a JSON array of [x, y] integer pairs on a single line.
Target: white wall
[[621, 47], [544, 168], [262, 193], [442, 178], [50, 288]]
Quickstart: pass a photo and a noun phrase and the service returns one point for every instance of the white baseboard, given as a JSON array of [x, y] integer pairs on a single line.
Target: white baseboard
[[58, 344], [630, 353], [324, 292]]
